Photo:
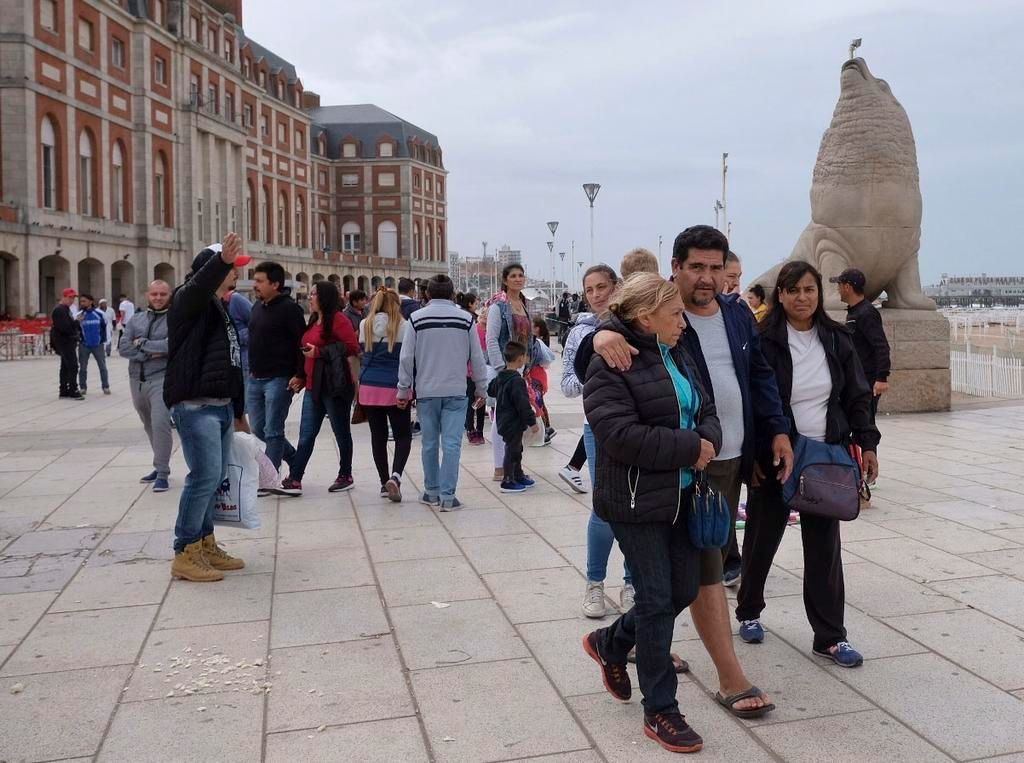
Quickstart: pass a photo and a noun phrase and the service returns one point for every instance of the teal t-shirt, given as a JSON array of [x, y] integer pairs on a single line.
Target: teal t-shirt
[[689, 403]]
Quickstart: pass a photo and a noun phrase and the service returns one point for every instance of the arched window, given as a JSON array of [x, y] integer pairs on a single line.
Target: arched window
[[351, 238], [86, 175], [160, 195], [322, 235], [440, 242], [417, 244], [282, 219], [430, 242], [300, 223], [265, 215], [117, 183], [48, 141], [387, 240], [250, 213]]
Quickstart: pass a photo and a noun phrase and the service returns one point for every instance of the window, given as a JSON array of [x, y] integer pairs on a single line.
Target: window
[[300, 227], [48, 14], [440, 188], [440, 243], [264, 124], [200, 220], [323, 235], [263, 79], [387, 240], [85, 34], [86, 175], [250, 214], [229, 51], [321, 177], [280, 132], [348, 150], [416, 180], [297, 99], [246, 71], [247, 115], [211, 99], [280, 89], [194, 89], [158, 12], [211, 39], [159, 199], [386, 179], [282, 218], [417, 244], [349, 180], [229, 106], [48, 140], [265, 214], [429, 241], [117, 52], [193, 28], [298, 140], [117, 183], [160, 71], [426, 181], [350, 238], [216, 220], [387, 150], [234, 218]]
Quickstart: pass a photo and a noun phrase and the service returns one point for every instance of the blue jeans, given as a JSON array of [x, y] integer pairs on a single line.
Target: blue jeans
[[206, 433], [441, 424], [599, 533], [313, 411], [267, 402], [83, 365]]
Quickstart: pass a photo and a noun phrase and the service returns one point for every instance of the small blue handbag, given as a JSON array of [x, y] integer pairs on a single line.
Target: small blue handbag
[[708, 517], [825, 481]]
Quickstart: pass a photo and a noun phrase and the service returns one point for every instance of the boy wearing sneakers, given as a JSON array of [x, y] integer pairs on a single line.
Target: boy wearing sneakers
[[513, 415]]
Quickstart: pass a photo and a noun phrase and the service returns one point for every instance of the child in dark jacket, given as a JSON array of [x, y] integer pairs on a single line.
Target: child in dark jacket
[[513, 415]]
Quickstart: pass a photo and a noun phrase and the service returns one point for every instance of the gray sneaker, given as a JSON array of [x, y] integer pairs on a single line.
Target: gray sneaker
[[627, 598], [593, 600], [451, 504]]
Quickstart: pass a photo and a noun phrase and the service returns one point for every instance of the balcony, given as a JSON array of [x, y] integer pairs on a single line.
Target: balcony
[[216, 113]]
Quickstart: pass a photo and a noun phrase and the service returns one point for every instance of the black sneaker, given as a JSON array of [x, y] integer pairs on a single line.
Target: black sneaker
[[672, 732], [341, 484], [616, 679]]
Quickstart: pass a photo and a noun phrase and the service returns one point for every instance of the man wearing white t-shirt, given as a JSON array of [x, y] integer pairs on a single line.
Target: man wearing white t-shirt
[[126, 309]]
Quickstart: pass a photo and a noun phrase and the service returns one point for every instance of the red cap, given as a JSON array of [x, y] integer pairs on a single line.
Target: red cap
[[242, 260], [70, 293]]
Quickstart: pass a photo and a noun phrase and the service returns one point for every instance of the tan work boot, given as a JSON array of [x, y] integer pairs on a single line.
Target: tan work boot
[[499, 475], [190, 564], [217, 557]]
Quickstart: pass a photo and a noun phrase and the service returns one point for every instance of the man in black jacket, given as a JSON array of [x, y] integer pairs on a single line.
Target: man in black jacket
[[868, 333], [276, 326], [203, 390], [64, 337]]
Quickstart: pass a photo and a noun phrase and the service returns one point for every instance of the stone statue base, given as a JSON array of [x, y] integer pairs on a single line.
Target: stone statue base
[[919, 342]]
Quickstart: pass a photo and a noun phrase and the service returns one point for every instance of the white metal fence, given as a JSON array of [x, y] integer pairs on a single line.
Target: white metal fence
[[986, 374]]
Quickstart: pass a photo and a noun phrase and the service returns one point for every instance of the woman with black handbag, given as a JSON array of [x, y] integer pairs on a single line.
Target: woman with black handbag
[[654, 426], [827, 399], [331, 370]]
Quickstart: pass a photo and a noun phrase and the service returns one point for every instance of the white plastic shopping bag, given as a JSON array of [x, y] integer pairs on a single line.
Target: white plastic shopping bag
[[236, 498]]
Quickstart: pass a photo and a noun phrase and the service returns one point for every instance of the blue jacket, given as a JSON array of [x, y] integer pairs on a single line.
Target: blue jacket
[[94, 328], [239, 309]]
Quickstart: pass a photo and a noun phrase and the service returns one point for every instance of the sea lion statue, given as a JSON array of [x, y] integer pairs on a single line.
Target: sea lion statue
[[865, 196]]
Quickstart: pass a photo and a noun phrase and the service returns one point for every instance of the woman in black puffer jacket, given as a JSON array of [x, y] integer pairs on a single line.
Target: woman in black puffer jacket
[[654, 425]]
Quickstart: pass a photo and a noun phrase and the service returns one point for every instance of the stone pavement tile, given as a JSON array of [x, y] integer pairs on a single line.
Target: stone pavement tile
[[1010, 561], [796, 681], [421, 581], [508, 553], [780, 583], [563, 530], [618, 729], [409, 513], [267, 528], [551, 505], [410, 543], [864, 529], [315, 507], [972, 639], [786, 617], [335, 744], [915, 560], [115, 585], [194, 658], [5, 651], [36, 507], [317, 617], [482, 523], [850, 738], [54, 542], [908, 495], [998, 595], [147, 519], [227, 730], [336, 683], [235, 599], [994, 497], [461, 633], [882, 593], [22, 462], [328, 568], [77, 512], [58, 715], [478, 497], [974, 514], [790, 554], [882, 509], [948, 536], [1016, 535], [458, 703], [319, 534], [536, 595], [927, 478], [117, 548], [39, 573], [982, 721], [71, 640], [257, 553], [578, 756], [19, 613], [11, 480]]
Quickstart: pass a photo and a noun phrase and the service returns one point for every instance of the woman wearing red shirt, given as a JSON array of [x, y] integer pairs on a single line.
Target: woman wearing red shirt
[[327, 325]]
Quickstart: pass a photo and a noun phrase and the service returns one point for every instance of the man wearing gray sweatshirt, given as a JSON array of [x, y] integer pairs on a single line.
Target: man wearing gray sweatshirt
[[438, 348], [144, 343]]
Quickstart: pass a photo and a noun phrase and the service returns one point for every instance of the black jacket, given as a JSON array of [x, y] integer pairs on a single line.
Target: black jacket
[[408, 306], [275, 338], [513, 412], [65, 331], [200, 360], [355, 317], [864, 320], [848, 418], [641, 449]]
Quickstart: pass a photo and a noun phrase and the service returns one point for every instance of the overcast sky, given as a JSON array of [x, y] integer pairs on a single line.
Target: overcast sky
[[532, 99]]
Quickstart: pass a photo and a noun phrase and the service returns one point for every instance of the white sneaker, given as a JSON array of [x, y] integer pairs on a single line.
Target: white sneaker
[[593, 600], [627, 598], [572, 478]]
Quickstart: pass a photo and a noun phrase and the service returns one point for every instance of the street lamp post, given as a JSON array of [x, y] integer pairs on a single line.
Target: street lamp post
[[565, 281], [552, 226], [718, 208], [591, 189], [725, 212]]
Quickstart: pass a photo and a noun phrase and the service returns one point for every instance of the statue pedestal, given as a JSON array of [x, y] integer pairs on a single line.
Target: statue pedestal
[[919, 343]]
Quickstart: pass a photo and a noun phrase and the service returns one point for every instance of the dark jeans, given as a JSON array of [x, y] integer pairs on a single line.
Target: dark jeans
[[824, 591], [84, 353], [666, 574], [513, 463], [474, 416], [313, 411], [724, 477], [206, 432], [68, 369], [579, 457], [267, 402], [378, 417]]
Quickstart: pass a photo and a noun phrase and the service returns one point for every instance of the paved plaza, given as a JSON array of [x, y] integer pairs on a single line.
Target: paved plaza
[[362, 630]]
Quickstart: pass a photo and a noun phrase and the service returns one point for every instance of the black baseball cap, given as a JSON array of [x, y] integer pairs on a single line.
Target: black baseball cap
[[853, 277]]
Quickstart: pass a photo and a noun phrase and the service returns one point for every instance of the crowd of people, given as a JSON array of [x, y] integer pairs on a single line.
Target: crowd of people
[[689, 387]]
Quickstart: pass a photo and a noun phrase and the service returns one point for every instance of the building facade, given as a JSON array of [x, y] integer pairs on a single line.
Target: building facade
[[134, 133]]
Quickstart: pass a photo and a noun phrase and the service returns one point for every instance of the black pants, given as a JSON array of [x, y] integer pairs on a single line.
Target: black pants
[[378, 416], [724, 477], [579, 457], [474, 416], [513, 463], [68, 369], [666, 574], [824, 592]]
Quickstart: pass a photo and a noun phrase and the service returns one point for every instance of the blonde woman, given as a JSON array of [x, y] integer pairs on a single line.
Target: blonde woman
[[381, 336]]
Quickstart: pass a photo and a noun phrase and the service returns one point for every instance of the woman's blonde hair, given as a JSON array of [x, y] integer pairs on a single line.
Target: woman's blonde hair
[[385, 301], [641, 293]]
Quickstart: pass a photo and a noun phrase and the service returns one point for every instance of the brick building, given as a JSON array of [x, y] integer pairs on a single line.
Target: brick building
[[134, 133]]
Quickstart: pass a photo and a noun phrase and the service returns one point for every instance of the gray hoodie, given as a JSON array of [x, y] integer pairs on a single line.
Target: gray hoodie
[[149, 357]]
